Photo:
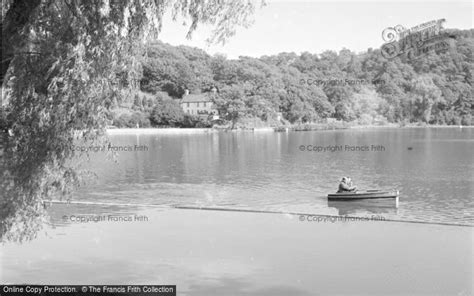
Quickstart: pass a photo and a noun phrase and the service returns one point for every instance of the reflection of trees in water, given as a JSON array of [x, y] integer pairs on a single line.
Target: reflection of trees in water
[[60, 63]]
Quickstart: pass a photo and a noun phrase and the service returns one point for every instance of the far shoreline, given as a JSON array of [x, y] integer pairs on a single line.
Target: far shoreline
[[134, 131], [149, 131]]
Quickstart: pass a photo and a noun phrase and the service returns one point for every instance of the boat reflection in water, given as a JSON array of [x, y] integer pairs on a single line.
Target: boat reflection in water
[[360, 206]]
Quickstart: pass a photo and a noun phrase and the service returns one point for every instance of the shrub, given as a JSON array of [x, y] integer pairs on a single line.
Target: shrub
[[139, 118], [366, 119], [203, 123], [130, 120], [122, 120], [189, 121], [466, 120], [167, 112]]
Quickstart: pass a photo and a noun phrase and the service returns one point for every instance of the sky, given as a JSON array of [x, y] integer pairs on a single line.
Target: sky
[[316, 26]]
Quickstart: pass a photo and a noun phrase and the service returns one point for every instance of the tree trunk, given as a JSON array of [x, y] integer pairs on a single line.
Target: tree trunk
[[15, 20]]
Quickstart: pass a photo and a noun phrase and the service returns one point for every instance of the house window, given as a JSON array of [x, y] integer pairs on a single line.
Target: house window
[[187, 105], [204, 104], [197, 104]]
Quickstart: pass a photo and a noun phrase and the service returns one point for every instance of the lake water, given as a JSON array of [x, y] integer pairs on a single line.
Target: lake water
[[431, 167], [238, 253]]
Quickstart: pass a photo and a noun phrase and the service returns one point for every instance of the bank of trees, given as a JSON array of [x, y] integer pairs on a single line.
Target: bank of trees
[[365, 88]]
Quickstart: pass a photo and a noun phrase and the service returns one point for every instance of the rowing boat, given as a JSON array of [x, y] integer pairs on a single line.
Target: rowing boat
[[368, 194]]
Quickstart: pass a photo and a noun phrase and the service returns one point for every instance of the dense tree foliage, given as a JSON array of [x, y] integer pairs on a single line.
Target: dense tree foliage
[[366, 88], [167, 113], [64, 64]]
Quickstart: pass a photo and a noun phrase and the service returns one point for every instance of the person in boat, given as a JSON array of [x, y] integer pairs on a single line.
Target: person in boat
[[346, 185]]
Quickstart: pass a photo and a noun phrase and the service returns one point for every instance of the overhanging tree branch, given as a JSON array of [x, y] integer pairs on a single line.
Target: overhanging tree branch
[[15, 21]]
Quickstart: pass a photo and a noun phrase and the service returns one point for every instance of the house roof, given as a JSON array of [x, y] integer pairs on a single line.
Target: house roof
[[194, 98]]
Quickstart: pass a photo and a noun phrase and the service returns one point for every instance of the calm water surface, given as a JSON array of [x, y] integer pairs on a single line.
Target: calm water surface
[[433, 169], [235, 253]]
